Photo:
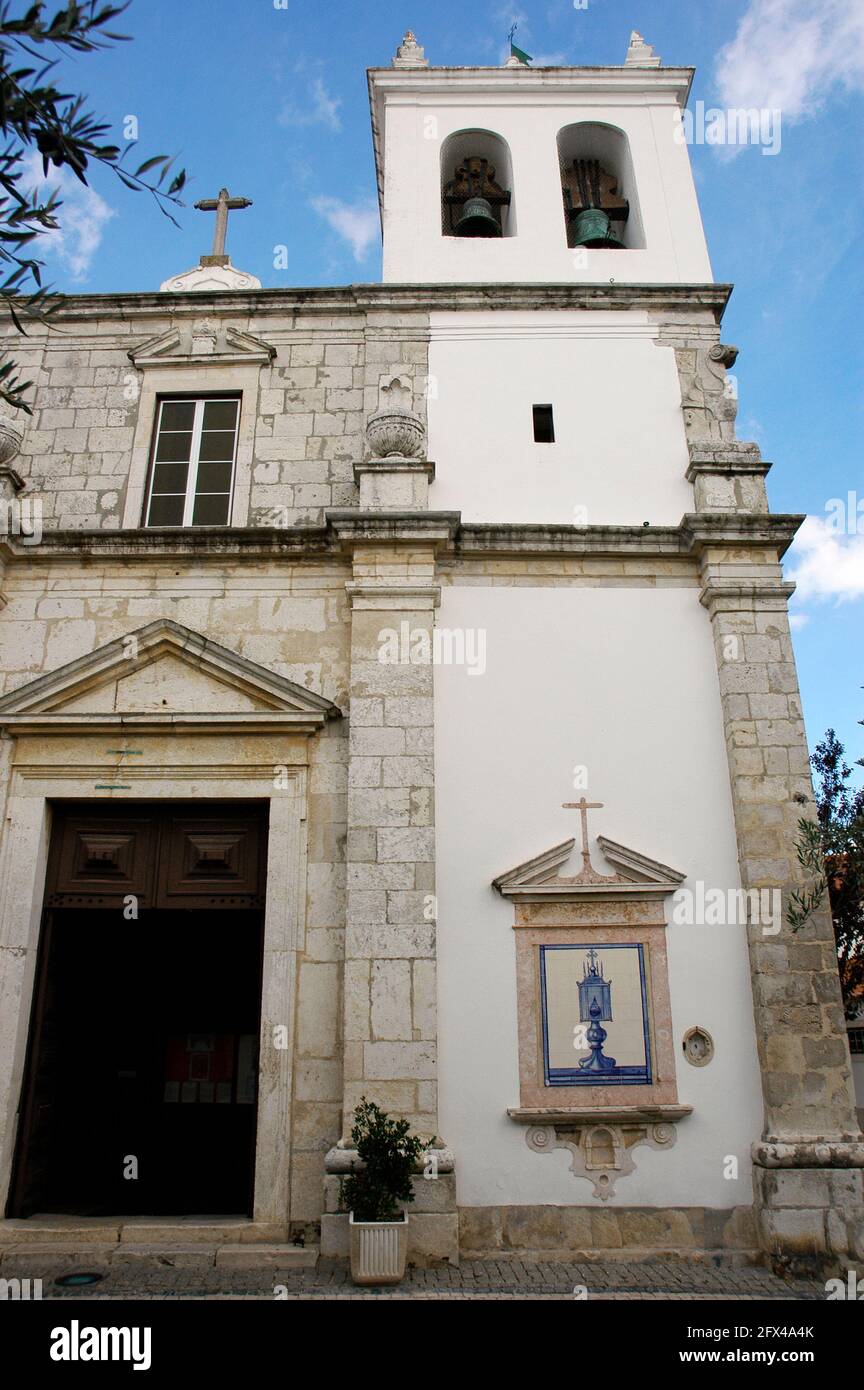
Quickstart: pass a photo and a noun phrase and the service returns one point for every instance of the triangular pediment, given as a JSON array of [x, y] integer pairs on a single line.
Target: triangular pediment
[[164, 674], [634, 875], [200, 341]]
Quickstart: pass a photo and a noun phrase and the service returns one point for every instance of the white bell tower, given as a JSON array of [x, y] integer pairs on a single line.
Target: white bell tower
[[559, 140]]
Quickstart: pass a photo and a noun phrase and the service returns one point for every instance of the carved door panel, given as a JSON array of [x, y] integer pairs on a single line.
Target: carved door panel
[[100, 858], [208, 861], [171, 855]]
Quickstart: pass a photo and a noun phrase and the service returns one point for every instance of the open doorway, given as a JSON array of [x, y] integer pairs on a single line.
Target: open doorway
[[140, 1096]]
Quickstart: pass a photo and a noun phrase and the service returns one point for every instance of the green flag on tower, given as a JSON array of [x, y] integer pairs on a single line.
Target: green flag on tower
[[517, 52]]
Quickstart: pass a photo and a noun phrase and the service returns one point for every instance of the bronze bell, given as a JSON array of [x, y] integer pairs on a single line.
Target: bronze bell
[[593, 227], [477, 219]]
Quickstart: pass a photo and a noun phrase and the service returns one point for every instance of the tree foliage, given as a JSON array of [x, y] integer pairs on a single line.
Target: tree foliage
[[831, 852], [389, 1155], [36, 115]]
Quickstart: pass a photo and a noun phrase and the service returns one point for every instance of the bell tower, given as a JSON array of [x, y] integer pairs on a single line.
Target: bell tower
[[501, 174]]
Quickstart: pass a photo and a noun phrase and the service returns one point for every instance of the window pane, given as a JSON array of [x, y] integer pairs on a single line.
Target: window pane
[[220, 415], [170, 477], [177, 415], [211, 511], [173, 447], [214, 477], [217, 444], [166, 511]]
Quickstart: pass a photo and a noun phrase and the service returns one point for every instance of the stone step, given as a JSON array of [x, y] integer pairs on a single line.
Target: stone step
[[46, 1259], [138, 1230]]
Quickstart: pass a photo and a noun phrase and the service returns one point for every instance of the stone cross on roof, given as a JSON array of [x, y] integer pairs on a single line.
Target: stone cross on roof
[[215, 272], [221, 206]]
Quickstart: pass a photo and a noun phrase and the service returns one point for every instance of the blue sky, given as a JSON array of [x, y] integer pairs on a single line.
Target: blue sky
[[269, 98]]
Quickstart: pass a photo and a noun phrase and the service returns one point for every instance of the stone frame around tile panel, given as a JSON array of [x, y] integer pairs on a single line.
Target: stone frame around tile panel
[[622, 908]]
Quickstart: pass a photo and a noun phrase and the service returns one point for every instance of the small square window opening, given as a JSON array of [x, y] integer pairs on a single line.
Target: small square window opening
[[544, 424]]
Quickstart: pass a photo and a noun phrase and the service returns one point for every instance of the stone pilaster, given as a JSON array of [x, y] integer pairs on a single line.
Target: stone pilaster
[[390, 993], [390, 1027], [807, 1175], [808, 1179]]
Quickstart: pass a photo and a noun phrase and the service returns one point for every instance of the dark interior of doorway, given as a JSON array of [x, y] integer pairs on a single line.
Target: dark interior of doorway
[[143, 1065]]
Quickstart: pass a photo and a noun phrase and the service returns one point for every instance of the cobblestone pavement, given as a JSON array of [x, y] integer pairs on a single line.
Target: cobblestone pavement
[[475, 1279]]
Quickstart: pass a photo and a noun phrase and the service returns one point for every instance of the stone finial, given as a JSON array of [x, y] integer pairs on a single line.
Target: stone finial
[[409, 54], [395, 433], [641, 54]]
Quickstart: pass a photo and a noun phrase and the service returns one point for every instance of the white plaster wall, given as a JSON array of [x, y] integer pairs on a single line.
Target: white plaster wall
[[415, 125], [623, 681], [620, 450]]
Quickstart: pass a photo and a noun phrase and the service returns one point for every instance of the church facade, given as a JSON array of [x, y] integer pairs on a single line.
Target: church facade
[[398, 701]]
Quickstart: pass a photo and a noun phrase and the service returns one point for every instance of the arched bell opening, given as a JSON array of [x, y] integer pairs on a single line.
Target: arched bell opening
[[598, 188], [476, 186]]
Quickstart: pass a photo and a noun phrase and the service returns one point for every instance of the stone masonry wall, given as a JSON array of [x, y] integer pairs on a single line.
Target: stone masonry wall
[[294, 620], [313, 399]]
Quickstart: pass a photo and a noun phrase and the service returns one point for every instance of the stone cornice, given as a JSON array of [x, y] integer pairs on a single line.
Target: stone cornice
[[689, 540], [730, 467], [201, 543], [382, 528], [767, 530], [502, 538], [601, 1114], [404, 298]]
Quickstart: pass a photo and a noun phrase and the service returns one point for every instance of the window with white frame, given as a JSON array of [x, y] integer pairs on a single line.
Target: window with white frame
[[192, 473]]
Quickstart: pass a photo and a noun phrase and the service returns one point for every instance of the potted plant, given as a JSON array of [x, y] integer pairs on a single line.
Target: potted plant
[[375, 1194]]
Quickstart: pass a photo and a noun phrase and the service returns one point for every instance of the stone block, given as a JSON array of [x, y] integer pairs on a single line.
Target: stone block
[[391, 1000], [365, 772], [480, 1230], [317, 1009], [357, 1000], [374, 807], [390, 942], [399, 1061], [371, 742], [424, 996], [415, 844]]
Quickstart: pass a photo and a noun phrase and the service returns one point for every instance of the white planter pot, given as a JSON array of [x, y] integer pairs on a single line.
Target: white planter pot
[[378, 1250]]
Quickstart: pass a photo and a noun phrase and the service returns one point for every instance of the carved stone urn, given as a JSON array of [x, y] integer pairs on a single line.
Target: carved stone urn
[[395, 434], [11, 438]]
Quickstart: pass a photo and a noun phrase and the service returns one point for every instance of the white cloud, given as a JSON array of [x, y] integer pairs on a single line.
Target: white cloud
[[356, 223], [82, 217], [798, 620], [826, 563], [319, 109], [549, 60], [791, 54]]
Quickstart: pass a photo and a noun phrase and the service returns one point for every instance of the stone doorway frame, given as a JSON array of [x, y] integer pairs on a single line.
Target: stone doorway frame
[[23, 864], [64, 740]]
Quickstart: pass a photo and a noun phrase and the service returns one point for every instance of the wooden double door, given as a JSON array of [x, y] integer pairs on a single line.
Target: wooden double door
[[140, 1089]]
